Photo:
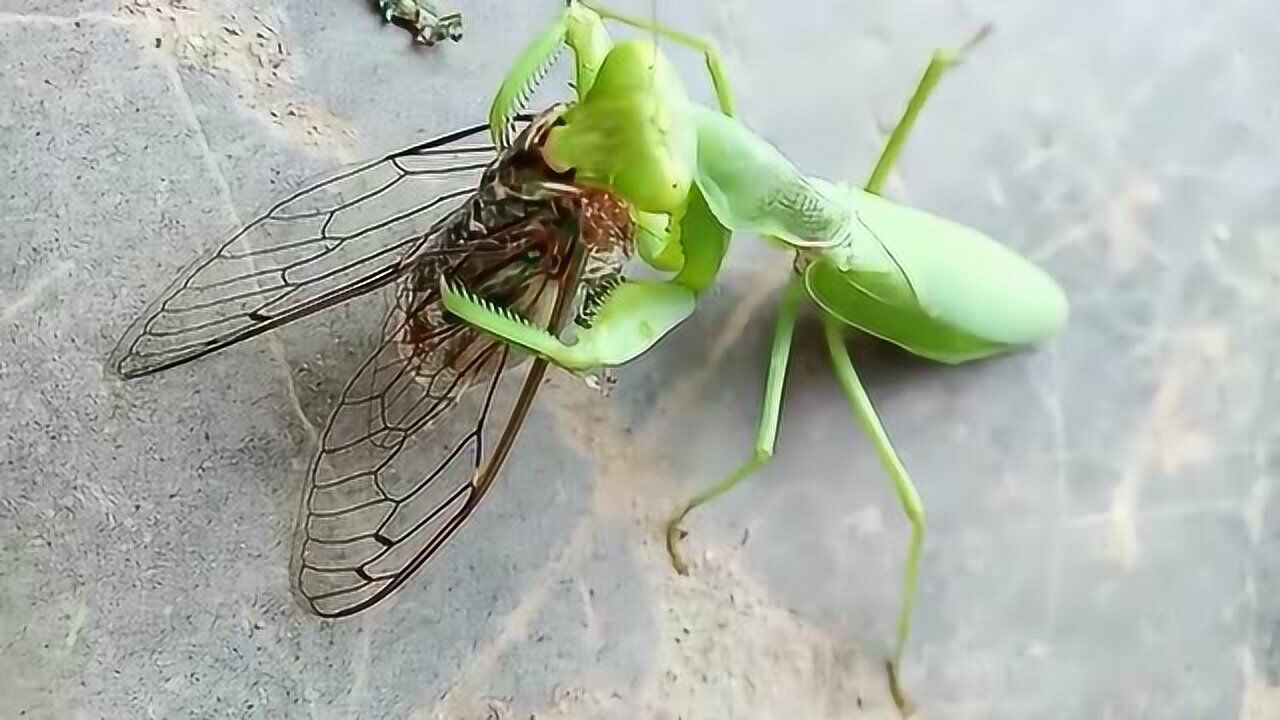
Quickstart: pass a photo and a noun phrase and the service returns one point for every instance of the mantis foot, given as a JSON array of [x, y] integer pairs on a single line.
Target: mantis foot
[[602, 381], [905, 706], [424, 19], [675, 534]]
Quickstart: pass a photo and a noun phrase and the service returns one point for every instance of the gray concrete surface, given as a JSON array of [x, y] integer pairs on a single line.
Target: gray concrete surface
[[1103, 528]]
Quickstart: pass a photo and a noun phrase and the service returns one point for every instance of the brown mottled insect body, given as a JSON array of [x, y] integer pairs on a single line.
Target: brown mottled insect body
[[520, 226]]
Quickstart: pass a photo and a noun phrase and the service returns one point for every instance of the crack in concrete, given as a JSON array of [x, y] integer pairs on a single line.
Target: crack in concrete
[[187, 108], [27, 298], [469, 683], [1061, 485]]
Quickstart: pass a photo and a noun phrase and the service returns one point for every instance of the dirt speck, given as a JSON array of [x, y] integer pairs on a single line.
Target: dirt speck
[[1128, 240], [1172, 437]]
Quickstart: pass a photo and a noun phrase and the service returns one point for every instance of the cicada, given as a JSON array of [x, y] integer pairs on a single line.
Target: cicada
[[425, 423]]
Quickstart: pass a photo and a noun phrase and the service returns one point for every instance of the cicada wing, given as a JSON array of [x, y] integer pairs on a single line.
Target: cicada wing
[[345, 234], [413, 445]]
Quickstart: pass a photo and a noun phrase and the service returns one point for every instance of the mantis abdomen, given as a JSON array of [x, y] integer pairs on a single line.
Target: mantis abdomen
[[937, 288]]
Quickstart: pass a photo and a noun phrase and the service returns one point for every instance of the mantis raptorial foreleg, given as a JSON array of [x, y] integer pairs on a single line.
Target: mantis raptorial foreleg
[[634, 317]]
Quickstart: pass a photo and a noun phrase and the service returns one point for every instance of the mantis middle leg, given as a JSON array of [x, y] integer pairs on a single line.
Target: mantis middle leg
[[766, 434]]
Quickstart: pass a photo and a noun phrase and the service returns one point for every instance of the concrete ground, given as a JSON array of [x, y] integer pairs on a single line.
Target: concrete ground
[[1103, 532]]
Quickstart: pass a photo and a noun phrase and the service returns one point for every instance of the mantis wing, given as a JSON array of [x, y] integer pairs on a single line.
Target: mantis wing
[[938, 289]]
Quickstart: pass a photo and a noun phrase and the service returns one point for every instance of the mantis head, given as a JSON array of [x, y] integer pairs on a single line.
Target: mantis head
[[631, 132]]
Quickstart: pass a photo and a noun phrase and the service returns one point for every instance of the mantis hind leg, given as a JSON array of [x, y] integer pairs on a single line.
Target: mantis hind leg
[[711, 56], [766, 435], [939, 64], [909, 498]]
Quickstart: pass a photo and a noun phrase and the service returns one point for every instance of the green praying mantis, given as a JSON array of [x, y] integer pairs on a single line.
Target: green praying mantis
[[696, 175]]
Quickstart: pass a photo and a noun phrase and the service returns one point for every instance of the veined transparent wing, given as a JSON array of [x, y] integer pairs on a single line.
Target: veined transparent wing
[[348, 233], [418, 436]]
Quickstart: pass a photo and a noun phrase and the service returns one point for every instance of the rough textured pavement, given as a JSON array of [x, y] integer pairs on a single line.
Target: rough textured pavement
[[1103, 538]]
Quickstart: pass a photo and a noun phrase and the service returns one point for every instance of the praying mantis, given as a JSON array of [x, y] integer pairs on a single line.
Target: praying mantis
[[697, 175], [546, 216]]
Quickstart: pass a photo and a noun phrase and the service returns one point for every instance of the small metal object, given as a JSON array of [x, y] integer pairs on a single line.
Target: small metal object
[[424, 18]]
